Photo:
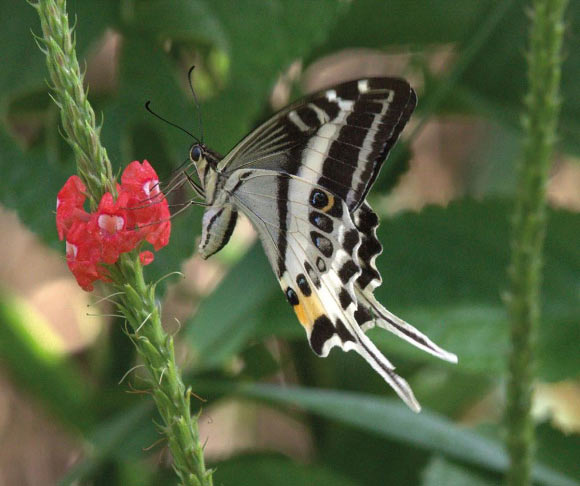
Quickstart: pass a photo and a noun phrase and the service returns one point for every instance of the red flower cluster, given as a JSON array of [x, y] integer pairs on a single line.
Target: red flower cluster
[[139, 213]]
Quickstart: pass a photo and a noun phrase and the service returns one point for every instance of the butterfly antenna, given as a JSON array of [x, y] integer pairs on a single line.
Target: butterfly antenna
[[148, 108], [198, 106]]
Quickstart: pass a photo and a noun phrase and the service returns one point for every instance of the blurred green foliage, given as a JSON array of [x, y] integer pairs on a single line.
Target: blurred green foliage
[[444, 268]]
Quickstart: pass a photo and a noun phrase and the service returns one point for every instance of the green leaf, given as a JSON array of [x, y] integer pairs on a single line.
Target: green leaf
[[217, 330], [392, 419], [367, 459], [371, 23], [35, 203], [439, 471], [191, 21], [291, 32], [273, 470]]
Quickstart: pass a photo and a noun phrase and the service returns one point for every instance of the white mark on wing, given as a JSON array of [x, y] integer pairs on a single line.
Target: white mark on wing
[[331, 95], [320, 113], [363, 86], [294, 118]]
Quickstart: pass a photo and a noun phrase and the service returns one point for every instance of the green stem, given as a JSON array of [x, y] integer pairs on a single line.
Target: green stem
[[528, 229], [77, 115], [137, 299], [155, 347]]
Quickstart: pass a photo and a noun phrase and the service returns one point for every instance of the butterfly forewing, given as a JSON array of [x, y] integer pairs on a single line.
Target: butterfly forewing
[[339, 136]]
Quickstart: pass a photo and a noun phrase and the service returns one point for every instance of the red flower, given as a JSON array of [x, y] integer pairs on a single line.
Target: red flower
[[69, 205], [147, 207], [83, 256], [146, 257], [109, 227], [140, 213]]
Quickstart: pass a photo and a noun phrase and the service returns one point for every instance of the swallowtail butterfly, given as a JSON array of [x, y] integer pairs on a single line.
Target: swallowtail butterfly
[[302, 178]]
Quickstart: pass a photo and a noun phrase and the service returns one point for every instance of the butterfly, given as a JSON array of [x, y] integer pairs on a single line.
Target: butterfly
[[302, 178]]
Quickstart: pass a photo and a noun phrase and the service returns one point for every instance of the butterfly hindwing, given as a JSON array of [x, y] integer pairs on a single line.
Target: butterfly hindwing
[[321, 265], [371, 312]]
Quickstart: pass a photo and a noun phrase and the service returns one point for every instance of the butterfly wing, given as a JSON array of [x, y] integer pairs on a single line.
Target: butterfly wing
[[302, 178], [341, 136], [318, 246], [371, 312]]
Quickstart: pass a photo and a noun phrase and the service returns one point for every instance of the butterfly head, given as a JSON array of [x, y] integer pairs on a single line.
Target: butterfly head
[[196, 153], [206, 163], [201, 156]]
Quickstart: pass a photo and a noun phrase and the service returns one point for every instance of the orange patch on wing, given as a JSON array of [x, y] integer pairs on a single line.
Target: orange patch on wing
[[301, 314], [330, 204], [308, 310]]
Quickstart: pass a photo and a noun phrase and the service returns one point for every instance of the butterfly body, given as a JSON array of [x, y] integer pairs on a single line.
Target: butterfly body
[[302, 179]]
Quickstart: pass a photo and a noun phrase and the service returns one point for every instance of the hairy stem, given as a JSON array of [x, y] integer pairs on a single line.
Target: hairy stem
[[137, 298], [77, 115], [528, 228]]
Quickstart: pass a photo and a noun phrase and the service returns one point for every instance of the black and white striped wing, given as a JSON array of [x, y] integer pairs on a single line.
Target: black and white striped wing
[[340, 136], [302, 178], [318, 243], [324, 259]]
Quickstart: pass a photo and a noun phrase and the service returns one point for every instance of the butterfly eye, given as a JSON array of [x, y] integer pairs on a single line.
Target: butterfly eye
[[195, 153]]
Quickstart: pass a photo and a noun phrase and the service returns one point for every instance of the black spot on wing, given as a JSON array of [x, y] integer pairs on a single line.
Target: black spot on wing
[[369, 248], [331, 108], [361, 120], [351, 239], [320, 264], [362, 315], [345, 298], [367, 276], [345, 152], [308, 116], [291, 297], [343, 333], [321, 221], [336, 176], [336, 209], [348, 90], [367, 106], [347, 271], [312, 274], [367, 221], [303, 285], [322, 243], [322, 331], [318, 199]]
